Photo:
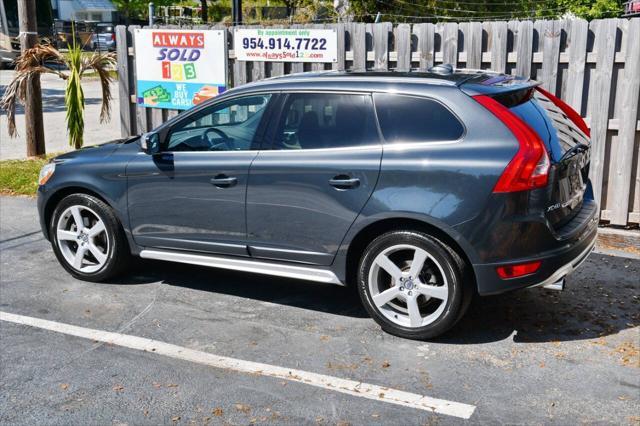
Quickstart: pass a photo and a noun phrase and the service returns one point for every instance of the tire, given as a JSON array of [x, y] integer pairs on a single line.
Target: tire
[[438, 290], [104, 249]]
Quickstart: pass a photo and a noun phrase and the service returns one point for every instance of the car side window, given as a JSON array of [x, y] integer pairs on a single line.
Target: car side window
[[414, 119], [227, 126], [326, 120]]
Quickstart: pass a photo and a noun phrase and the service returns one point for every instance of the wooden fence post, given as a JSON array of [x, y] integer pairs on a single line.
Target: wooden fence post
[[125, 77]]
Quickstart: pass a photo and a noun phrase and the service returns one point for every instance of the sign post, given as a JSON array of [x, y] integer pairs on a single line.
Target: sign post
[[178, 69]]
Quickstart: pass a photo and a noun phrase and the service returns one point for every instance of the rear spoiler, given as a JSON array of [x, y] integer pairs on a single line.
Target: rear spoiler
[[492, 84], [508, 90]]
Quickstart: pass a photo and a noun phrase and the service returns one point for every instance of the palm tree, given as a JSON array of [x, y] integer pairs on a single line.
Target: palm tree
[[46, 59]]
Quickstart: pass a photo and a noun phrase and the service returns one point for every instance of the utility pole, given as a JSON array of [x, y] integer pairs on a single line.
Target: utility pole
[[152, 14], [33, 105], [236, 12]]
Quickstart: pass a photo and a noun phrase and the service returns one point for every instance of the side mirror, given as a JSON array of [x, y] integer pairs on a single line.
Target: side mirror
[[150, 143]]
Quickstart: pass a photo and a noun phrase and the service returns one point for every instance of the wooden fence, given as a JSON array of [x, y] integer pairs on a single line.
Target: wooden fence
[[594, 66]]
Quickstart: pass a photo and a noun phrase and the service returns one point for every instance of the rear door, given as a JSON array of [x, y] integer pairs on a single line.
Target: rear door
[[305, 192]]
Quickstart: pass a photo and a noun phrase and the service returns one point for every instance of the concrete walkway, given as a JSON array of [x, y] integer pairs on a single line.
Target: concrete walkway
[[54, 117]]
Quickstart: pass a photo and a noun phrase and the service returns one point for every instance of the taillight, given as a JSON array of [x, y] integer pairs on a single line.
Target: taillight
[[568, 111], [113, 36], [520, 270], [529, 168]]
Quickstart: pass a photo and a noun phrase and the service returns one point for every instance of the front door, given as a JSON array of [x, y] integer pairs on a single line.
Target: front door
[[305, 192], [191, 196]]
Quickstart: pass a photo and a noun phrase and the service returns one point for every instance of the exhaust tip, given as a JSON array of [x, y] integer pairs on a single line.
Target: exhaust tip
[[558, 285]]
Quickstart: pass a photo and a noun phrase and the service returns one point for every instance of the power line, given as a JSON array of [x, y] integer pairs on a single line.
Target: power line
[[459, 18], [478, 12]]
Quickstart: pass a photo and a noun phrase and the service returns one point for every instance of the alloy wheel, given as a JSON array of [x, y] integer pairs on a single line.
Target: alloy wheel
[[83, 239], [408, 286]]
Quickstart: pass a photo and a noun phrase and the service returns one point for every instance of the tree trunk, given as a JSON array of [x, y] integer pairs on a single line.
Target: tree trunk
[[204, 13], [33, 107]]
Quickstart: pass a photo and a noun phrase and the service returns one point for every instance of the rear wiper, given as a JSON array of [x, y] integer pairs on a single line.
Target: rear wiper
[[577, 148]]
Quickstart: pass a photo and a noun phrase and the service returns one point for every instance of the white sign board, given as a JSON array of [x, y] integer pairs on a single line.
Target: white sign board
[[178, 69], [285, 45]]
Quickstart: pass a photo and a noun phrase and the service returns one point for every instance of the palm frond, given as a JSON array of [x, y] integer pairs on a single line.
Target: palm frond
[[102, 63], [74, 96], [29, 65]]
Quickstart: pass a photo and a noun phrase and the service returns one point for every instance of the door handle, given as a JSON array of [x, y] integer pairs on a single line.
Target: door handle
[[344, 182], [224, 181]]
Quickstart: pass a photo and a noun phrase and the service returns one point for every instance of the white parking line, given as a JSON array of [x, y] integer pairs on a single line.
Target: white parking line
[[350, 387]]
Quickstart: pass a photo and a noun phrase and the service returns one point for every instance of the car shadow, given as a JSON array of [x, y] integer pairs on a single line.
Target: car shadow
[[590, 307], [599, 300], [319, 297]]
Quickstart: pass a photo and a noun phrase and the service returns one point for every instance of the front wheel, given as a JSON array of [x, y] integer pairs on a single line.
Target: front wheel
[[87, 238], [412, 284]]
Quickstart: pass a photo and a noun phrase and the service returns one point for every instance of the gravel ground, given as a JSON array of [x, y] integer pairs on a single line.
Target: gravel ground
[[529, 357], [55, 128]]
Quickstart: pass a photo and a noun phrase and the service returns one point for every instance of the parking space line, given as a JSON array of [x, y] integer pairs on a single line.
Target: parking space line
[[346, 386]]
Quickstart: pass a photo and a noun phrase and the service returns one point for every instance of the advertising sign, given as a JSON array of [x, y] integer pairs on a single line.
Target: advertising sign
[[285, 45], [178, 69]]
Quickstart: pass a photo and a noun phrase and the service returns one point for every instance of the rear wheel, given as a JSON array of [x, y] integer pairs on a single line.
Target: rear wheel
[[412, 284], [87, 238]]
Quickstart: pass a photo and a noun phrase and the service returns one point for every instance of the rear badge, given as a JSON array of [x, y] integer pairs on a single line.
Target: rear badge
[[572, 203]]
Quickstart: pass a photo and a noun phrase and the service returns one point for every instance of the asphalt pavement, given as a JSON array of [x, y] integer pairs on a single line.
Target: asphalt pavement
[[530, 357]]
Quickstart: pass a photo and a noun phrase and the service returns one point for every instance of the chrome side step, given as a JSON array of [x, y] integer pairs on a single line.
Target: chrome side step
[[317, 274]]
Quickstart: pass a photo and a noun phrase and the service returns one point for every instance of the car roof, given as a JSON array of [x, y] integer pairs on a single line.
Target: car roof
[[358, 80]]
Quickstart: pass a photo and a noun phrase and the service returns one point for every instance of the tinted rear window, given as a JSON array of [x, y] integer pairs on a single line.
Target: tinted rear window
[[412, 119]]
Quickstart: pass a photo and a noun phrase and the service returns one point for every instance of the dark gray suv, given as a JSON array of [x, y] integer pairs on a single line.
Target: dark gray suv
[[421, 189]]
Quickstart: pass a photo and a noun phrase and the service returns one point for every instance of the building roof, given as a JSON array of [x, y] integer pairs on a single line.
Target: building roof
[[93, 5]]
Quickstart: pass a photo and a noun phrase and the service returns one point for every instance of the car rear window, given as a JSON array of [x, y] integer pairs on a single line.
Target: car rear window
[[414, 119]]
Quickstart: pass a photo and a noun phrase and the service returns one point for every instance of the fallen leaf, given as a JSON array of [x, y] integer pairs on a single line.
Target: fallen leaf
[[172, 385], [386, 364], [243, 407], [375, 416], [118, 388], [64, 386], [324, 338], [175, 419], [217, 411], [156, 385]]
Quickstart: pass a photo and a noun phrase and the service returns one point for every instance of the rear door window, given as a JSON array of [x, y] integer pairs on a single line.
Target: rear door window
[[326, 120], [415, 119]]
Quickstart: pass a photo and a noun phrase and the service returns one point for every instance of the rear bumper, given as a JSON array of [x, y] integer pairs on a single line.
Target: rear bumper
[[556, 264]]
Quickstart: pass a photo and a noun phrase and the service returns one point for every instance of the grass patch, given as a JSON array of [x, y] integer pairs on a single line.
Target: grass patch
[[20, 177]]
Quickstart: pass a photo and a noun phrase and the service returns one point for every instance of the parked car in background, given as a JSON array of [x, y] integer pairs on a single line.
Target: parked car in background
[[420, 189], [104, 37]]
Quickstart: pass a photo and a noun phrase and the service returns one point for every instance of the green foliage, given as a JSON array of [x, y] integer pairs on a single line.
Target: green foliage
[[482, 10], [74, 96], [138, 9]]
